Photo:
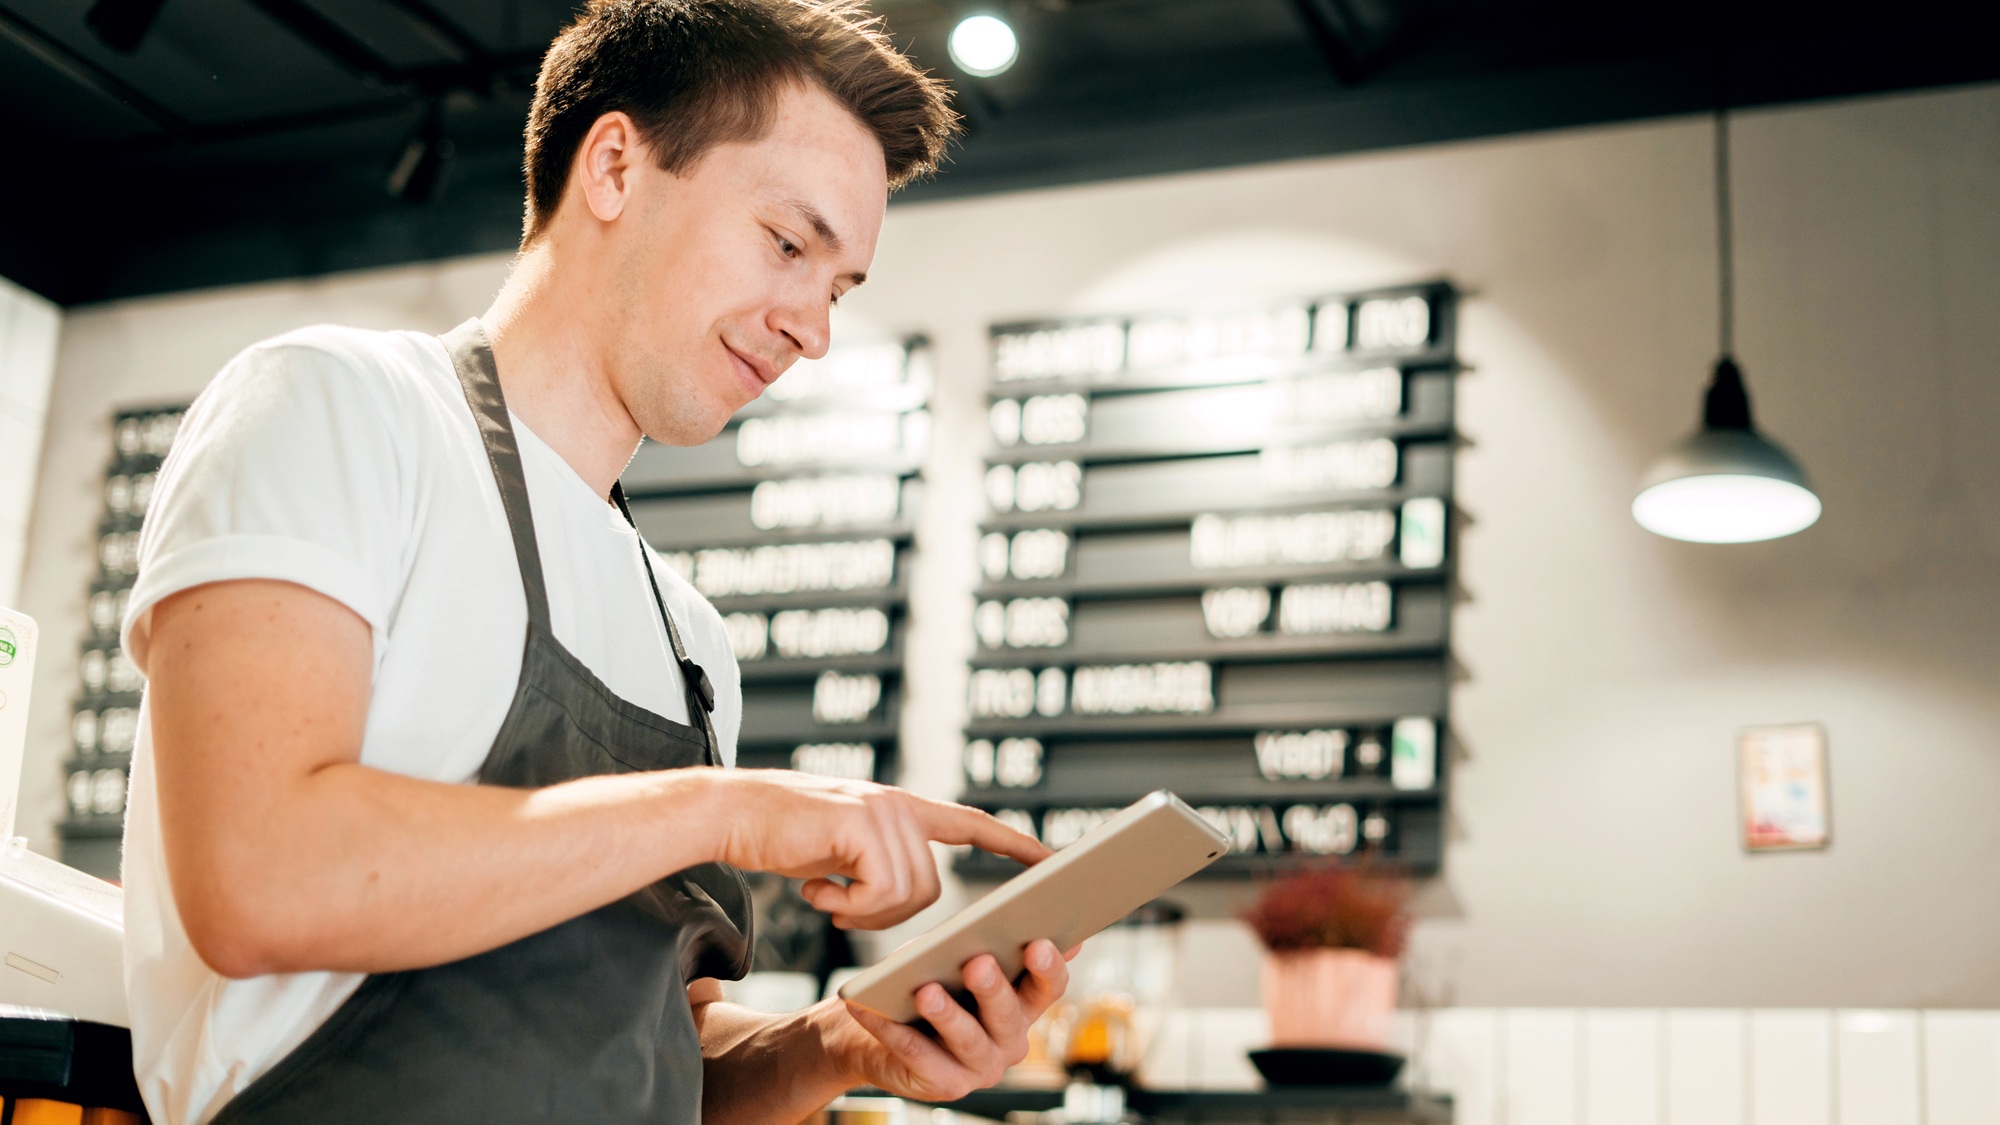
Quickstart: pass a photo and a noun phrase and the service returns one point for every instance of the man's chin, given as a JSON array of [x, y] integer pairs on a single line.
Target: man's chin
[[691, 425]]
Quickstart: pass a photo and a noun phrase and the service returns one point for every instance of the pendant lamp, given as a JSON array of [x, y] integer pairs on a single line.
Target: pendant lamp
[[1728, 483]]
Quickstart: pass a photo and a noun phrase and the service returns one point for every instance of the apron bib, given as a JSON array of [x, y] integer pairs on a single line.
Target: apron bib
[[588, 1020]]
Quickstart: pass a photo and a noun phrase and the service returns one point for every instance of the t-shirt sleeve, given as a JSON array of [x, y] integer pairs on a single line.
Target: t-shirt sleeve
[[286, 467]]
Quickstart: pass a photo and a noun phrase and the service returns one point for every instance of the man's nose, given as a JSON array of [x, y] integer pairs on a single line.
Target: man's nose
[[808, 324]]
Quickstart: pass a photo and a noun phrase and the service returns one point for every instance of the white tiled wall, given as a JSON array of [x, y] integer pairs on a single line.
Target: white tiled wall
[[28, 327], [1651, 1066]]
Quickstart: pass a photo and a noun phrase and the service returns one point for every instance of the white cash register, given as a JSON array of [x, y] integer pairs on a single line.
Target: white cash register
[[61, 931]]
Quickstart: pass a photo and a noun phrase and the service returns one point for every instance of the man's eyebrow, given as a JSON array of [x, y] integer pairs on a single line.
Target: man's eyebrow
[[817, 222]]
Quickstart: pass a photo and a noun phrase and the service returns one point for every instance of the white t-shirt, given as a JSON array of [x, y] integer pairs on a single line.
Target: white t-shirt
[[348, 462]]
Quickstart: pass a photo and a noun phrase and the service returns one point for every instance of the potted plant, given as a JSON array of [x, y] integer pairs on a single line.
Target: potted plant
[[1332, 937]]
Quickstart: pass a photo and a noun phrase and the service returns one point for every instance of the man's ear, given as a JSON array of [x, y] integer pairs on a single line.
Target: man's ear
[[605, 163]]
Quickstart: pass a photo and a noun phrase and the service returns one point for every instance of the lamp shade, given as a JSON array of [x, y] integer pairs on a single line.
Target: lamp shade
[[1725, 485]]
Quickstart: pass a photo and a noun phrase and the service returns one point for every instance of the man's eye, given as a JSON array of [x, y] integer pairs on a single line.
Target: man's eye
[[786, 248]]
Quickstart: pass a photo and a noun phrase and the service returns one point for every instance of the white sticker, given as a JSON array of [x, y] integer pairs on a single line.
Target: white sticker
[[1004, 417], [839, 698], [1054, 419], [1335, 607], [1038, 553], [1219, 542], [1170, 341], [1301, 755], [748, 633], [1345, 396], [854, 761], [1017, 763], [1328, 830], [1056, 353], [1235, 611], [831, 501], [1341, 466], [1181, 688], [789, 568], [1392, 322], [1035, 486], [1421, 544], [1413, 754], [1001, 693], [1023, 623], [831, 439], [816, 633]]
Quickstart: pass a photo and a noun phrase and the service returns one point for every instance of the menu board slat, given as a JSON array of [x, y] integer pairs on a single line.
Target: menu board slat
[[1109, 564], [1152, 492], [858, 442], [1221, 419], [817, 513], [1320, 764], [1411, 618]]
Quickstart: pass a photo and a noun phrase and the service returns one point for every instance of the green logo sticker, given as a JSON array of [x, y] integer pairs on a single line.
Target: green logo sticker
[[8, 646]]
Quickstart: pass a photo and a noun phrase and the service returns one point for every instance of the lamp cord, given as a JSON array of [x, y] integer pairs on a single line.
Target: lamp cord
[[1723, 233]]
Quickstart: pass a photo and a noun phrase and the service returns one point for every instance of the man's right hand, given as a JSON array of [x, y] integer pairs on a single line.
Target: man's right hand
[[877, 837]]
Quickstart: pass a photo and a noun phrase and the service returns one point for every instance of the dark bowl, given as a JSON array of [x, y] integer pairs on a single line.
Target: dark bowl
[[1326, 1066]]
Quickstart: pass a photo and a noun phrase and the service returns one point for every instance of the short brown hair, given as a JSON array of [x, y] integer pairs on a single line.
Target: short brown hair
[[697, 73]]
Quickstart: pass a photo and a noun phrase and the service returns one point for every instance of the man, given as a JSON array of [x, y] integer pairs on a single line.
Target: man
[[381, 566]]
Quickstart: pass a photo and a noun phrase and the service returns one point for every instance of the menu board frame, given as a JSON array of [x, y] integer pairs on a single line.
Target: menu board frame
[[1219, 557]]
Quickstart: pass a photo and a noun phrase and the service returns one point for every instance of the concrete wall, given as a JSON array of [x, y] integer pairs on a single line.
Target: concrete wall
[[1594, 857]]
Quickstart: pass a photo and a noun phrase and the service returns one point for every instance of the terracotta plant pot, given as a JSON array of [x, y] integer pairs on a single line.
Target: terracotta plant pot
[[1329, 998]]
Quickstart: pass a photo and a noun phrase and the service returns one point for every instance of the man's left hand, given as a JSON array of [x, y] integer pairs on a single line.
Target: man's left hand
[[970, 1051]]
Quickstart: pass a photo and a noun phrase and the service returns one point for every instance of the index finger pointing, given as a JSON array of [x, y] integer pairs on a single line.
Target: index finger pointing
[[959, 824]]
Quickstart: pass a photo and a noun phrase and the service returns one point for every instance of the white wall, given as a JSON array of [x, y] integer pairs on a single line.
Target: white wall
[[1594, 857], [28, 330], [1650, 1066]]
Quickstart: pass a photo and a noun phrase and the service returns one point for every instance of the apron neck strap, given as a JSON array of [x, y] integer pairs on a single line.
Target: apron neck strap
[[472, 357], [700, 691]]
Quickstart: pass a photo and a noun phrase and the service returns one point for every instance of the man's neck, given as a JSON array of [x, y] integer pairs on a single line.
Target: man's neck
[[550, 356]]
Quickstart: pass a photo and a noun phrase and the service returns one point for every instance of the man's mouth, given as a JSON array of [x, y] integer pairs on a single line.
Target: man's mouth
[[754, 374]]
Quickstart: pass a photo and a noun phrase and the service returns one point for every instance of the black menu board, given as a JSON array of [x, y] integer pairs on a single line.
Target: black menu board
[[796, 523], [105, 717], [1217, 559]]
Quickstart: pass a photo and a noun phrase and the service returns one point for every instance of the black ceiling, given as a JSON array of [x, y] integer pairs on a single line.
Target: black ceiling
[[251, 139]]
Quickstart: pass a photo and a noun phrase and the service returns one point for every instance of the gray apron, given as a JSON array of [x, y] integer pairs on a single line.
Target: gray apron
[[587, 1021]]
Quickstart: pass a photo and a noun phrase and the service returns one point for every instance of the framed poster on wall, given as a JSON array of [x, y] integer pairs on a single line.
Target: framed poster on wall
[[1782, 777]]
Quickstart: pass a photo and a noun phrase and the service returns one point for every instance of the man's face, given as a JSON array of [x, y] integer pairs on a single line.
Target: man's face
[[726, 274]]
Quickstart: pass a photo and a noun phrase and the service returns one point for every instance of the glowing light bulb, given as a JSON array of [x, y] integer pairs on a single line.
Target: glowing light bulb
[[983, 46], [1725, 508]]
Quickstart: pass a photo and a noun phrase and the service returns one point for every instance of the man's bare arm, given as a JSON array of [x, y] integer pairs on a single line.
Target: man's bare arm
[[286, 854]]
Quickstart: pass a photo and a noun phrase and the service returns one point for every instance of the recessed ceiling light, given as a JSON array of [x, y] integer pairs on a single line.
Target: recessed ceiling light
[[983, 46]]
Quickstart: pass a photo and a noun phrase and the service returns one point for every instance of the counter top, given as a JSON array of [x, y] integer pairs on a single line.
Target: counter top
[[1336, 1103]]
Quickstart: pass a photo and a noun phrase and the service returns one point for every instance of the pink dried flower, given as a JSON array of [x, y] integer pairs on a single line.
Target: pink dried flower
[[1333, 908]]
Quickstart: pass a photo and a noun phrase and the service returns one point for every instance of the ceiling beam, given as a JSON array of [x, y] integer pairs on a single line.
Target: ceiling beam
[[1335, 34], [328, 38], [470, 50], [79, 69]]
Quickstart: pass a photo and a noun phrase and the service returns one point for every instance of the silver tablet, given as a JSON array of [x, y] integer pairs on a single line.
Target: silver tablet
[[1114, 869]]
